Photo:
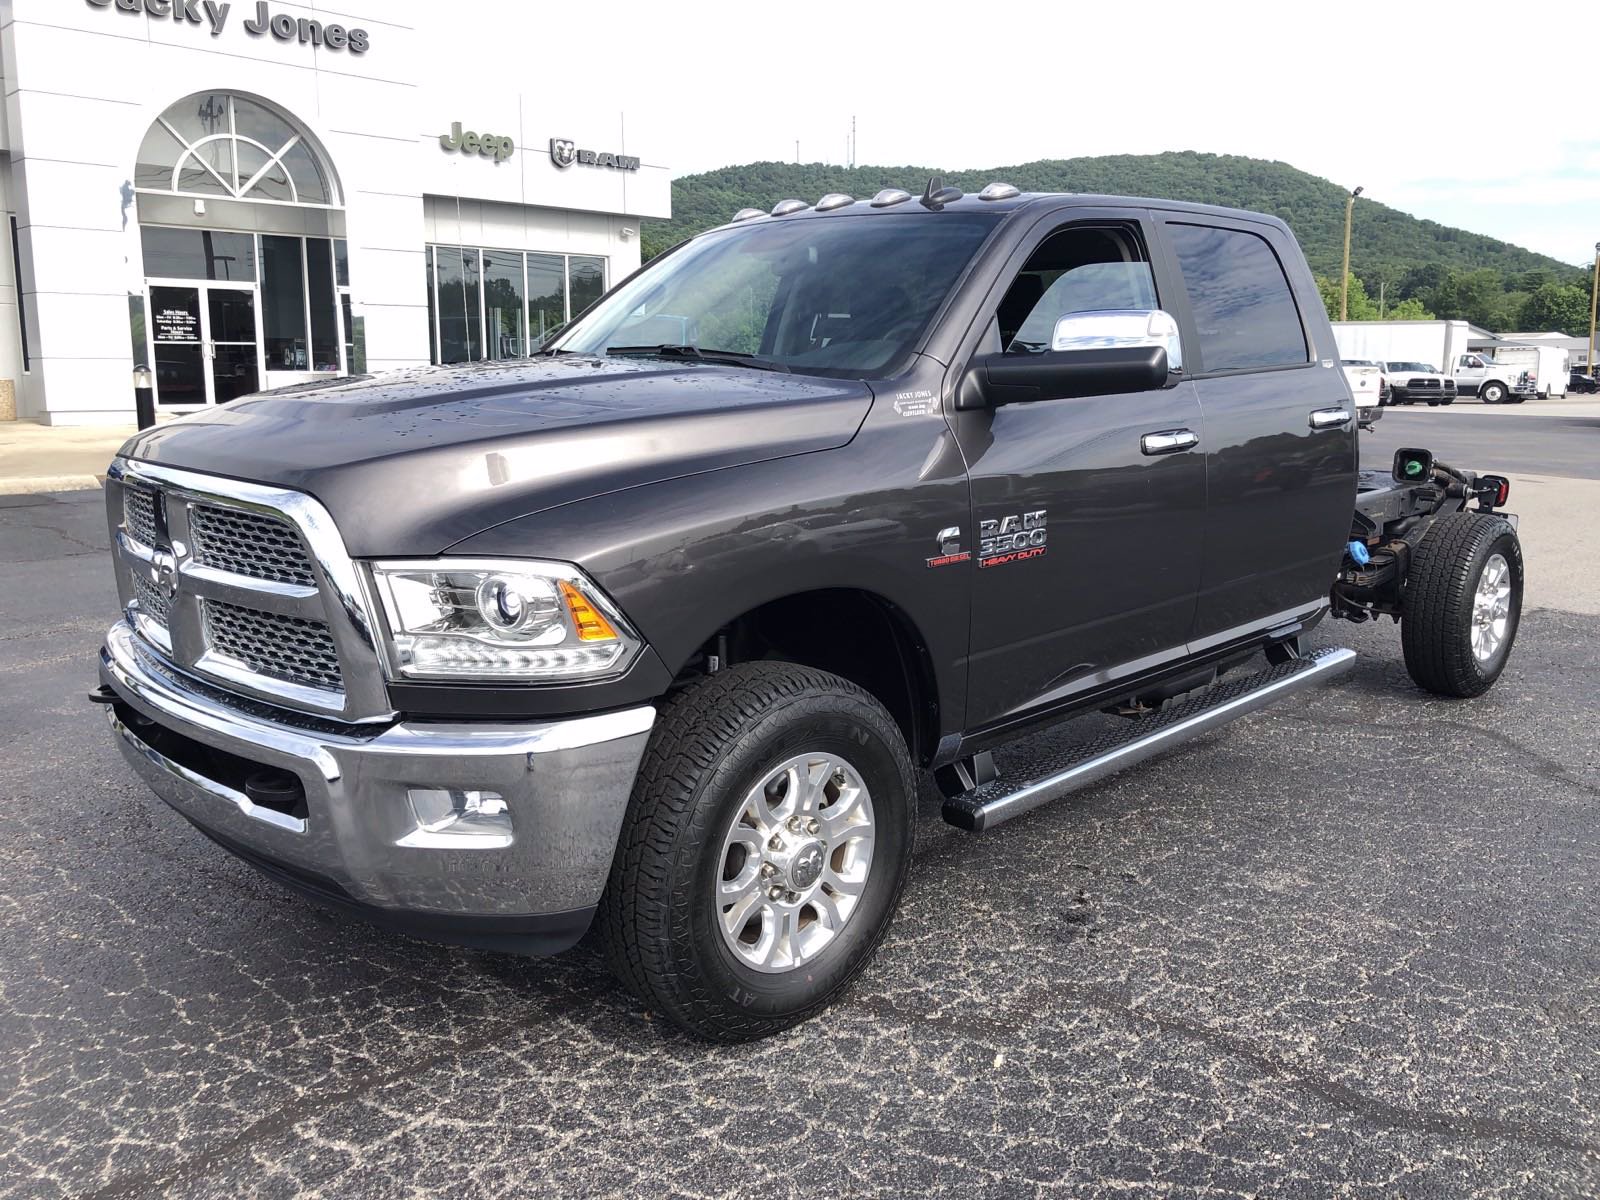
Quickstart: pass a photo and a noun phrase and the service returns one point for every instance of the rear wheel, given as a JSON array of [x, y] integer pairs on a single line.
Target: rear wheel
[[1492, 393], [764, 851], [1463, 603]]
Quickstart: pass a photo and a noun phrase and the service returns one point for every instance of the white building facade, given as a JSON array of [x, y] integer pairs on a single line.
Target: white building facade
[[248, 195]]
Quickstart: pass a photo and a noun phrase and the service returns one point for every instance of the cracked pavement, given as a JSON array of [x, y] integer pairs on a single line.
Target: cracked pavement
[[1346, 947]]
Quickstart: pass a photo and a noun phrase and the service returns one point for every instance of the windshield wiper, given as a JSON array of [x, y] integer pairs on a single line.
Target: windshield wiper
[[668, 350]]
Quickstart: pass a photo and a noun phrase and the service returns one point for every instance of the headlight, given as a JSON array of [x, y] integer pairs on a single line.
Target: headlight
[[512, 619]]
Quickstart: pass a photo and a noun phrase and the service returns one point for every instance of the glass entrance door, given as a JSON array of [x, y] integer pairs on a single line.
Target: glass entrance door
[[233, 344], [207, 342]]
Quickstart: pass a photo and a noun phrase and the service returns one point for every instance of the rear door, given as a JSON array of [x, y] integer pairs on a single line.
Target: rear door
[[1085, 540], [1280, 444]]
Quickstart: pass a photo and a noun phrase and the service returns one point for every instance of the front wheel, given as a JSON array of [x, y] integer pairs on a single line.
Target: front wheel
[[764, 851], [1463, 603], [1492, 393]]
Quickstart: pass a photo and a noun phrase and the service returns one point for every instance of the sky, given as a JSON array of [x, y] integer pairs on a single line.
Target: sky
[[1474, 115]]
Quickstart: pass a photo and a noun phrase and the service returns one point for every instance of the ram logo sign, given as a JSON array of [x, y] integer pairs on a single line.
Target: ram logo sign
[[564, 153]]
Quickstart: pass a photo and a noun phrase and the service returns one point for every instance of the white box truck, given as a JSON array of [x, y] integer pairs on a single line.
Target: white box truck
[[1550, 366]]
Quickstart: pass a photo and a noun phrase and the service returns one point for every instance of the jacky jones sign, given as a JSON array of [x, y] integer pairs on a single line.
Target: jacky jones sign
[[213, 14]]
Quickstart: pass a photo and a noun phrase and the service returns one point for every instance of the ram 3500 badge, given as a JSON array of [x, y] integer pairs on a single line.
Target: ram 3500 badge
[[642, 631]]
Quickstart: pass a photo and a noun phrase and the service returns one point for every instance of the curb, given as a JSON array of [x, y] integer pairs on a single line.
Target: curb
[[32, 485]]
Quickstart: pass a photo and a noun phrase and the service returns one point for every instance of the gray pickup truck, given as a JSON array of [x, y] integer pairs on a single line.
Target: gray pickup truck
[[657, 630]]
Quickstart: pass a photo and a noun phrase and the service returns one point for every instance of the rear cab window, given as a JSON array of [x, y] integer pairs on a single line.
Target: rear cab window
[[1244, 310]]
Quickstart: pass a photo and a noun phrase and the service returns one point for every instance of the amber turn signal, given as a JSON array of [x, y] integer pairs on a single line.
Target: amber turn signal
[[589, 621]]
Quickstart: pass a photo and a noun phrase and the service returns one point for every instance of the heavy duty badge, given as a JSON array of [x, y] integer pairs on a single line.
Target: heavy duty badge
[[1016, 538]]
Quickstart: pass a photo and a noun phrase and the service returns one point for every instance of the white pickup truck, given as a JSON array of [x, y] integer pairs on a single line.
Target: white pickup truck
[[1367, 386], [1413, 381]]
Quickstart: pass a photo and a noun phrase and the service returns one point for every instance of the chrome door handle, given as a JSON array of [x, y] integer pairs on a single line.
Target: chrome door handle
[[1169, 441], [1328, 418]]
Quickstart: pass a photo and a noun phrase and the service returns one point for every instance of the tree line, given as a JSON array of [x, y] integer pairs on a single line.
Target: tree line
[[1536, 301]]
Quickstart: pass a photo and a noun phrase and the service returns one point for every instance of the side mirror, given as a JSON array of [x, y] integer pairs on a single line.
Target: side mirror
[[1120, 329], [1091, 354]]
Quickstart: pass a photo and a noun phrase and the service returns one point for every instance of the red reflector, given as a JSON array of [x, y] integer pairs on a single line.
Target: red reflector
[[1502, 493]]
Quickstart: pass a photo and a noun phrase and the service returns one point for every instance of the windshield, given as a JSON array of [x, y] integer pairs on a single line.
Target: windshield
[[1412, 366], [843, 296], [1357, 362]]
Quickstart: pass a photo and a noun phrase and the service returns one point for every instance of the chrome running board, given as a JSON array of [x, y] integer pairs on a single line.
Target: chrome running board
[[1056, 775]]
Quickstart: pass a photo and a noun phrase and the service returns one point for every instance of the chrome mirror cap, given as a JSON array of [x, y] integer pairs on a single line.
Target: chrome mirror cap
[[1120, 329], [834, 200], [998, 191], [890, 196], [745, 214], [784, 207]]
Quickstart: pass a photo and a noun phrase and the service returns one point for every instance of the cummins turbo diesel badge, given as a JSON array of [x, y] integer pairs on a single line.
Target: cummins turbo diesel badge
[[1011, 539]]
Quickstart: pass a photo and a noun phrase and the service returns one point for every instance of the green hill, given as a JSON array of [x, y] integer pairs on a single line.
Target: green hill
[[1412, 258]]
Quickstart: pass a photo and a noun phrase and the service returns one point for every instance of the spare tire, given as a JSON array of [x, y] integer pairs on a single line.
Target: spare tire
[[1463, 603]]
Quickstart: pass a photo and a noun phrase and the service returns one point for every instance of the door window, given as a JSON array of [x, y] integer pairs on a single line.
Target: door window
[[179, 345], [1074, 270], [235, 368], [1244, 310], [283, 296]]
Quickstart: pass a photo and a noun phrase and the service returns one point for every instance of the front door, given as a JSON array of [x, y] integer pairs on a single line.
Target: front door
[[1087, 534], [207, 343]]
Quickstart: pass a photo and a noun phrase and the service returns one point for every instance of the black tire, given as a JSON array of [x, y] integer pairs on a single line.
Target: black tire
[[1492, 393], [1449, 401], [713, 742], [1433, 404], [1441, 582]]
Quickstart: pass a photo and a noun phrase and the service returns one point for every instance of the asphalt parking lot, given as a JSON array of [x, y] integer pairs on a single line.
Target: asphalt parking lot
[[1346, 947]]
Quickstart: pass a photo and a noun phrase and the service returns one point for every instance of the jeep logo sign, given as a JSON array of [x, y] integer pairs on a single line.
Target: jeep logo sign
[[490, 145], [563, 153]]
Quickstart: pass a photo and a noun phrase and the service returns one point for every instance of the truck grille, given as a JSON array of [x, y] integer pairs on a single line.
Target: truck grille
[[289, 648], [246, 586], [247, 543], [151, 601], [1423, 383], [139, 515]]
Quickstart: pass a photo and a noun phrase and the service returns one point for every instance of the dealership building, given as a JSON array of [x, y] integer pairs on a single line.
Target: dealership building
[[254, 194]]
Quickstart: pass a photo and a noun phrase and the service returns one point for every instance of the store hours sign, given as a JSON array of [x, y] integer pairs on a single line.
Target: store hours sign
[[258, 20]]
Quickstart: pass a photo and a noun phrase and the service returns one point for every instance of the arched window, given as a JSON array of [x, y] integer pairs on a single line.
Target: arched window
[[217, 144]]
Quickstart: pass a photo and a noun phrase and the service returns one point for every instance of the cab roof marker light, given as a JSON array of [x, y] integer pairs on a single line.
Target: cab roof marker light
[[784, 207], [834, 200], [745, 214], [998, 191], [890, 196]]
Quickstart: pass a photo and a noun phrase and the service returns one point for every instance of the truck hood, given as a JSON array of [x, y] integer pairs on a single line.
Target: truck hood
[[412, 462]]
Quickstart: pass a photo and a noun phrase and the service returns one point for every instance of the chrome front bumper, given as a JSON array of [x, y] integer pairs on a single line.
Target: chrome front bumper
[[565, 784]]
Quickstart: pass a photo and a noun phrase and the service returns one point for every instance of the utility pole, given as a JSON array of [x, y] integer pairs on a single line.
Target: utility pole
[[1594, 295], [1383, 286], [1344, 280], [852, 141], [797, 151]]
